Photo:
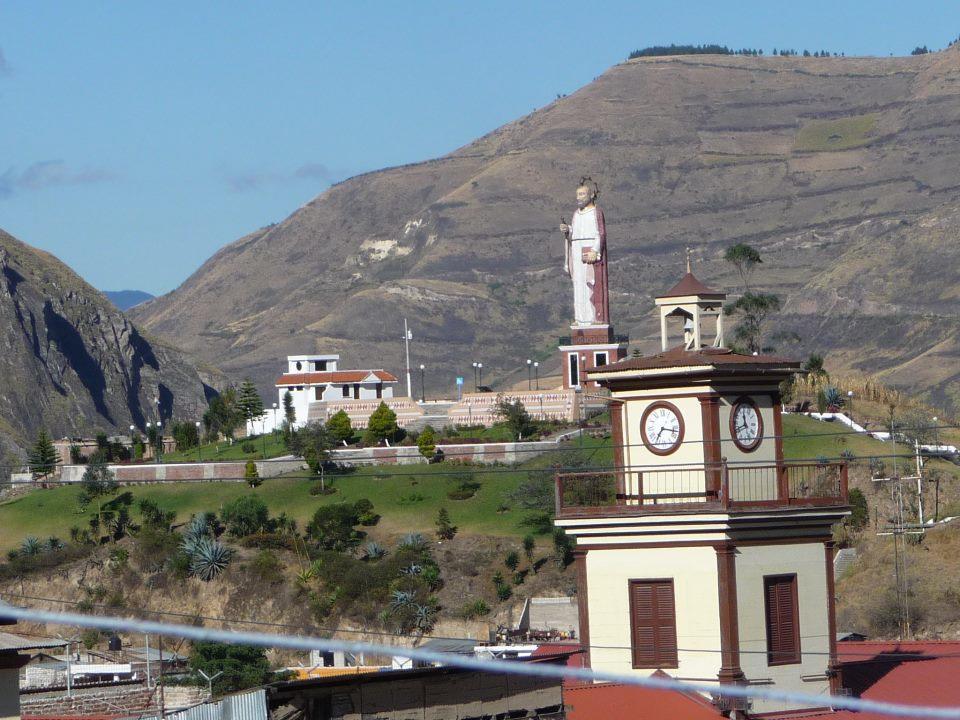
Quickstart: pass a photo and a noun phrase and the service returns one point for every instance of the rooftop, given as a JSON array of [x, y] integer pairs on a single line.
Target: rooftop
[[11, 641], [708, 357], [689, 285], [334, 377]]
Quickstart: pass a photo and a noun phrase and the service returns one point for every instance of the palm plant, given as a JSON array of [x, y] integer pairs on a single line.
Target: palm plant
[[209, 559]]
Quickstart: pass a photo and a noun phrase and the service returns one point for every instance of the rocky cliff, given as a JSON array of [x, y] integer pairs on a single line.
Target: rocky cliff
[[842, 171], [72, 363]]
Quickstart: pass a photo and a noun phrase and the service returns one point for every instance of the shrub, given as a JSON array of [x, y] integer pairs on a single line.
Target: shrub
[[340, 427], [529, 545], [245, 515], [267, 568], [512, 561], [427, 443], [446, 530], [411, 498], [322, 488], [540, 523], [365, 514], [475, 609], [248, 447], [243, 666], [251, 475], [563, 547], [382, 423], [859, 513], [332, 526], [153, 547], [504, 592], [514, 415]]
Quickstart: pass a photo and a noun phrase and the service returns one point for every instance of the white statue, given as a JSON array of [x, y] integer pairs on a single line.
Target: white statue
[[585, 257]]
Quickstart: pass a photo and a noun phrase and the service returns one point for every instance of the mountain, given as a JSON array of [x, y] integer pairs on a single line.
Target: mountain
[[126, 299], [72, 363], [841, 171]]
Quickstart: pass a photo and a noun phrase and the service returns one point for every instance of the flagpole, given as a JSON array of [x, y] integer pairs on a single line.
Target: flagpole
[[406, 340]]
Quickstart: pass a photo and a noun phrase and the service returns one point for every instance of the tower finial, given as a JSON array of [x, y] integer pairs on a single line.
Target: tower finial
[[688, 261]]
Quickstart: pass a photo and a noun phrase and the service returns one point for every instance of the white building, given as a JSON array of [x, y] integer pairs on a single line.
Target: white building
[[312, 379]]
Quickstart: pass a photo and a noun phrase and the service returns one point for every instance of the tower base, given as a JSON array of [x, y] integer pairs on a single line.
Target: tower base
[[588, 347]]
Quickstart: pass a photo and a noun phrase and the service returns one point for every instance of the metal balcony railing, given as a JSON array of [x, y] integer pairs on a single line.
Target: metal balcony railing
[[719, 486]]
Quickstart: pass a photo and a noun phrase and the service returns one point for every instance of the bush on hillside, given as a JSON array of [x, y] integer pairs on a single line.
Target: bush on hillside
[[245, 515]]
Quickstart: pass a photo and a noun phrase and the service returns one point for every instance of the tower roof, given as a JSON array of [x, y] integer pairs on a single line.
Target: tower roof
[[689, 285], [681, 361]]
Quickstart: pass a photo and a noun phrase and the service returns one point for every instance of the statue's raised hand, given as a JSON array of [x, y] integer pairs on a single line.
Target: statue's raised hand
[[565, 229]]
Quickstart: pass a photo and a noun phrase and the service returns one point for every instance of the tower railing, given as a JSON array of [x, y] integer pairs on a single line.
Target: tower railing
[[709, 487]]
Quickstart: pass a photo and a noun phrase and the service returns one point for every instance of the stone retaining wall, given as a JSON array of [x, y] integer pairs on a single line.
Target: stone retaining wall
[[102, 701]]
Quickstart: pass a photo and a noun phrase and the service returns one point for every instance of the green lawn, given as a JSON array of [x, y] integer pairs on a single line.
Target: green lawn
[[827, 439], [266, 446], [390, 488]]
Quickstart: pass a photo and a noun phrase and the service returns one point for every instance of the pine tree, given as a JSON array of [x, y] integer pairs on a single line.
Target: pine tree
[[289, 412], [427, 443], [43, 457], [382, 423], [340, 427], [249, 401], [251, 475], [445, 529]]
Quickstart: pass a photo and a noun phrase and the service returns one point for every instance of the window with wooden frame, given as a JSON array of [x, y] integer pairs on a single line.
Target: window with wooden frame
[[783, 619], [653, 624]]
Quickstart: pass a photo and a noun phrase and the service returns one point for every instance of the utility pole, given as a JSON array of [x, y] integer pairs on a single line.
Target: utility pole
[[407, 337]]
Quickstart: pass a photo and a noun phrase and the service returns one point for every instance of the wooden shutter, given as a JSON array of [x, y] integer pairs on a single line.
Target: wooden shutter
[[783, 626], [653, 624]]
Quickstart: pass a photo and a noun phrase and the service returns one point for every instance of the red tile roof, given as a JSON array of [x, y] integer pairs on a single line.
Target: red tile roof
[[689, 285], [336, 376], [610, 701], [679, 357]]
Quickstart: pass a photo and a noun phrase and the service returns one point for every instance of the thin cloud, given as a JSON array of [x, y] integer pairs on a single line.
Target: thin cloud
[[256, 180], [48, 174]]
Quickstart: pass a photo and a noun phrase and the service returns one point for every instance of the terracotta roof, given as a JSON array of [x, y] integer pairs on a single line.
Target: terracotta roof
[[678, 357], [610, 701], [336, 376], [689, 285]]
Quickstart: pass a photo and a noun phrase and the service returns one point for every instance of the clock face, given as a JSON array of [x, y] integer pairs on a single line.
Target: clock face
[[746, 425], [661, 428]]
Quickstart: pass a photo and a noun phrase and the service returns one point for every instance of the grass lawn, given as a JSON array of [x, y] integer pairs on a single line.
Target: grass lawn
[[267, 446], [821, 442], [391, 488]]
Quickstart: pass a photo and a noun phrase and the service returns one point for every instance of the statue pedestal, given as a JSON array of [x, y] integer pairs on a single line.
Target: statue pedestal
[[588, 347]]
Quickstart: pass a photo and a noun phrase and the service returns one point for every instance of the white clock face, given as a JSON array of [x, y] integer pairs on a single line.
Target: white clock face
[[662, 429], [746, 425]]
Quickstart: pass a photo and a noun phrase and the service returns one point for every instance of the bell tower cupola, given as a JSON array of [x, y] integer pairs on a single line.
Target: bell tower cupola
[[694, 305]]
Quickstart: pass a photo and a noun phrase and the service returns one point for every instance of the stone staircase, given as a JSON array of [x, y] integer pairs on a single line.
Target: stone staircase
[[844, 558], [436, 415]]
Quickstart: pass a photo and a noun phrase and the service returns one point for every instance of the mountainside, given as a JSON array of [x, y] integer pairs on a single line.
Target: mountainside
[[73, 363], [842, 171], [126, 299]]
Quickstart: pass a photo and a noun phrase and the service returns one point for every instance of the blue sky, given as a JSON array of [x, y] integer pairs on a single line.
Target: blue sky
[[137, 138]]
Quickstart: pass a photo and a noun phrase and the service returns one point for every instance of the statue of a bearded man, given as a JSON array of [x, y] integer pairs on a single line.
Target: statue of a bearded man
[[585, 257]]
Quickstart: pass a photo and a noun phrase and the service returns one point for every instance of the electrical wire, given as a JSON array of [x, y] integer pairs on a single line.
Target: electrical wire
[[505, 667], [415, 636]]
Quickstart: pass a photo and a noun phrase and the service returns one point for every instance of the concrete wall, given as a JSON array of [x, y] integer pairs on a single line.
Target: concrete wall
[[807, 560], [486, 453], [211, 471], [102, 701], [694, 574]]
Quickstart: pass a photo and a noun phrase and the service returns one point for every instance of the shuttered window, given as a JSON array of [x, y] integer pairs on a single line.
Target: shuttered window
[[653, 624], [783, 625]]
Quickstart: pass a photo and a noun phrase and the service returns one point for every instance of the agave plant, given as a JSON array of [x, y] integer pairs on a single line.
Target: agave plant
[[209, 559], [31, 546], [412, 540], [374, 551], [400, 599], [53, 544], [424, 617], [833, 397], [412, 569], [198, 527]]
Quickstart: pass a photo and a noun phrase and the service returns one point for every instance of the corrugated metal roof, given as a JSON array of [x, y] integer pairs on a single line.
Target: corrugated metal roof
[[251, 705], [9, 641]]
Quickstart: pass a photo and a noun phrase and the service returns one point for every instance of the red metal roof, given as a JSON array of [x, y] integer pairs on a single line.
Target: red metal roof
[[336, 376], [610, 701], [689, 285], [715, 357]]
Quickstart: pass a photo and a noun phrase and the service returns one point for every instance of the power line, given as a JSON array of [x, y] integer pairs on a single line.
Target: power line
[[415, 636], [504, 667]]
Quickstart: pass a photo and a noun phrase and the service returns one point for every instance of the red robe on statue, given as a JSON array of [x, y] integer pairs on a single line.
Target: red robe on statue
[[599, 295]]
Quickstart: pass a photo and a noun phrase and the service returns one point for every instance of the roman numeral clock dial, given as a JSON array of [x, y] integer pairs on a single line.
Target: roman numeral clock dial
[[746, 425], [661, 428]]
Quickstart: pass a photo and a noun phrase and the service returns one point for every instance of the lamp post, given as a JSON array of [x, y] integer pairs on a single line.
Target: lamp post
[[480, 370], [529, 368], [159, 440], [536, 375], [475, 386], [423, 387], [199, 442], [132, 428], [274, 417], [850, 404], [936, 477]]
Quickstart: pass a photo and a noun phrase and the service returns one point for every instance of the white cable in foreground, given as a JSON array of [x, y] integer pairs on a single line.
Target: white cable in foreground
[[468, 663]]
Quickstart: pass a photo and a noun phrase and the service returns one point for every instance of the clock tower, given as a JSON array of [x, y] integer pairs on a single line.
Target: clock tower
[[702, 553]]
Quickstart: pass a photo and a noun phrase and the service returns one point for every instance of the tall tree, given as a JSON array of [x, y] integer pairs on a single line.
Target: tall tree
[[43, 457], [98, 482], [248, 401], [753, 310], [382, 423], [745, 259], [513, 413], [340, 427], [289, 412], [222, 415]]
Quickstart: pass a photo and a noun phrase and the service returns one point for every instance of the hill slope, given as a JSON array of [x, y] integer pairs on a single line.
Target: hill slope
[[74, 363], [816, 161], [126, 299]]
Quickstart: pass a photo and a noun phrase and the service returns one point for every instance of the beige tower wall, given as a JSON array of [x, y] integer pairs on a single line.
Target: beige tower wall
[[694, 574], [807, 560]]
